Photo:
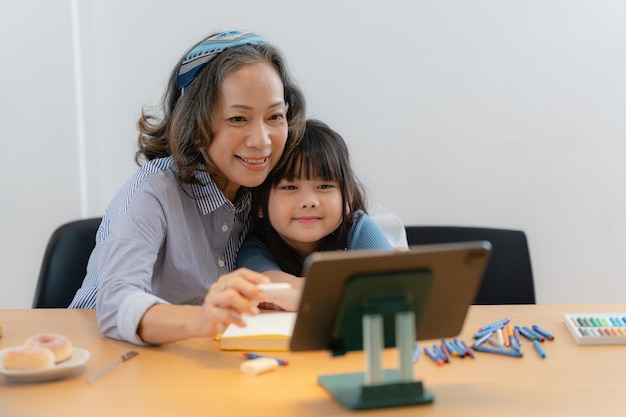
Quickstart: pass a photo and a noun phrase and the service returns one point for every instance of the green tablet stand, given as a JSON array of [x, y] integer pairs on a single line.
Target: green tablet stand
[[387, 307]]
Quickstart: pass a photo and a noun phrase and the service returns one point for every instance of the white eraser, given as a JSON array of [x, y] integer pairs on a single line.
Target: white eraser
[[258, 366], [275, 286]]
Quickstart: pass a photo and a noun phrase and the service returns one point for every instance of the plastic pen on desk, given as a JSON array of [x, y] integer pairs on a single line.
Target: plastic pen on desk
[[249, 355], [542, 332]]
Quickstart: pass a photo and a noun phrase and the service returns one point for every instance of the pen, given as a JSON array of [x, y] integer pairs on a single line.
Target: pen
[[126, 356], [249, 355]]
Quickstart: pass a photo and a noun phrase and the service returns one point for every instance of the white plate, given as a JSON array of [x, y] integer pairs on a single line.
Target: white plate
[[73, 365]]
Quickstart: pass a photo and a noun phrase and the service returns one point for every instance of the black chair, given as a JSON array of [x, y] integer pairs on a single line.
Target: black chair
[[65, 263], [508, 277]]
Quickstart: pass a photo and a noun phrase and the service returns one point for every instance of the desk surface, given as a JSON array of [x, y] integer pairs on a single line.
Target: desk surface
[[195, 378]]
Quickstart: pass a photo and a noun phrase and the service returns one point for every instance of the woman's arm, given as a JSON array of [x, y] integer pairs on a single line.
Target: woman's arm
[[231, 296]]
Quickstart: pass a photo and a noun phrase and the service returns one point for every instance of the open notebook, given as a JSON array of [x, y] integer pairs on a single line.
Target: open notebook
[[266, 331]]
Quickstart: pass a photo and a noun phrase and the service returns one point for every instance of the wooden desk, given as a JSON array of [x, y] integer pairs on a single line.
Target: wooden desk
[[195, 378]]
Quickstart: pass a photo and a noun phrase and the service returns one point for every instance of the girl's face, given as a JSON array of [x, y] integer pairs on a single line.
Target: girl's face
[[305, 211], [249, 126]]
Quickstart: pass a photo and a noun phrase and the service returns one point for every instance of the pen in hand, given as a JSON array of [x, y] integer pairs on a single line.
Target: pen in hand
[[126, 356]]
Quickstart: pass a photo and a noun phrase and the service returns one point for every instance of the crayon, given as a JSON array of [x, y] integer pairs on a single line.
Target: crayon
[[539, 348], [433, 356], [468, 349], [534, 333], [499, 351], [416, 352], [495, 324], [542, 332], [249, 355]]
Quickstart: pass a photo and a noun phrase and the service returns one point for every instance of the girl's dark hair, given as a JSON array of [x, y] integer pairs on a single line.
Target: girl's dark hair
[[184, 128], [320, 153]]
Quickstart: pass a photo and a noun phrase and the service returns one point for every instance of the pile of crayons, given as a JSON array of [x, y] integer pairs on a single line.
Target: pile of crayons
[[444, 352], [506, 339], [499, 337]]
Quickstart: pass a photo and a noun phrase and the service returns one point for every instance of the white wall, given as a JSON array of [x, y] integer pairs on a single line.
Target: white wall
[[488, 113]]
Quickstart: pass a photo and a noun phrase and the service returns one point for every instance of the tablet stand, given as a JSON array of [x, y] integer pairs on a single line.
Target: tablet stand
[[375, 387]]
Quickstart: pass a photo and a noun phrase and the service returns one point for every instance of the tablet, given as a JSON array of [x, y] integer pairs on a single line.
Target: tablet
[[440, 282]]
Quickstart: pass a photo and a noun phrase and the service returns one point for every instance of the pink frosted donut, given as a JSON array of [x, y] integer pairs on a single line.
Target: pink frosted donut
[[60, 345], [28, 358]]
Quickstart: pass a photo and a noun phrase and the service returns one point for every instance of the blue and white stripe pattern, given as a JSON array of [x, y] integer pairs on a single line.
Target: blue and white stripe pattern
[[205, 51]]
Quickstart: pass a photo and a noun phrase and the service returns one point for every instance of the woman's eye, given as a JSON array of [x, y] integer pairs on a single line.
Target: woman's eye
[[237, 119], [278, 117]]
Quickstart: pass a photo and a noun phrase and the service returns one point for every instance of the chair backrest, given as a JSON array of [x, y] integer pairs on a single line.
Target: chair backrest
[[65, 263], [508, 277]]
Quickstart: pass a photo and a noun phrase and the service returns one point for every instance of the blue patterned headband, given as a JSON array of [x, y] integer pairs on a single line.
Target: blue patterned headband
[[205, 51]]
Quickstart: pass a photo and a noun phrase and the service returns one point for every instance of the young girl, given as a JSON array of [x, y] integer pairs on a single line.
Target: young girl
[[162, 268], [311, 202]]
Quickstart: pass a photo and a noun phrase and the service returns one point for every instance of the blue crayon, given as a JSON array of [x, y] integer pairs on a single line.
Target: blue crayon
[[534, 333], [456, 343], [440, 353], [483, 339], [539, 348], [526, 334], [416, 352], [433, 356], [499, 351], [513, 342], [542, 332], [495, 324]]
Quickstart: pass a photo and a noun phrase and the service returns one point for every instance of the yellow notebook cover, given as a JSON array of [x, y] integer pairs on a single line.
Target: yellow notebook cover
[[269, 330]]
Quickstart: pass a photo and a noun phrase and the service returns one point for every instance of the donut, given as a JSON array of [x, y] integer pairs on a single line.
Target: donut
[[28, 358], [60, 345]]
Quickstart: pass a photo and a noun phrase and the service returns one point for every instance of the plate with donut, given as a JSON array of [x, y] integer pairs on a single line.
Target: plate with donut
[[42, 357]]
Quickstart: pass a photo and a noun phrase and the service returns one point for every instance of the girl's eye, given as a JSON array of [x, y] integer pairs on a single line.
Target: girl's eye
[[326, 186], [283, 185]]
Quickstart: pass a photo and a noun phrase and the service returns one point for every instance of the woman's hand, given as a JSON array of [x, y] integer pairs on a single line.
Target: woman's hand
[[230, 296]]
